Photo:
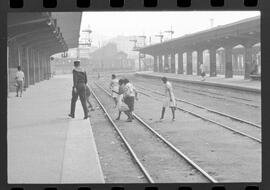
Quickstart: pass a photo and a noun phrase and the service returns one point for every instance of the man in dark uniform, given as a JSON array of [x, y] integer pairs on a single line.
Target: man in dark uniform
[[78, 89]]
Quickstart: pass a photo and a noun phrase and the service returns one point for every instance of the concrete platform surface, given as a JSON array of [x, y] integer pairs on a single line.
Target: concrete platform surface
[[44, 145], [237, 82]]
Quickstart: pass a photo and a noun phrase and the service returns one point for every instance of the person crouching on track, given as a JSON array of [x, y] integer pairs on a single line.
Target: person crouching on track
[[114, 88], [169, 100], [130, 94], [78, 89], [88, 94], [122, 107]]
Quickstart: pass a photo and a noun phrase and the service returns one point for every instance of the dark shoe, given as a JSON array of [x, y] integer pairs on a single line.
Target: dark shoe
[[118, 118], [86, 117], [129, 120], [71, 115]]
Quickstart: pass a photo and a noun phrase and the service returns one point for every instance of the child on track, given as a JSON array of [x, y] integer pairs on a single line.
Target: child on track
[[169, 100]]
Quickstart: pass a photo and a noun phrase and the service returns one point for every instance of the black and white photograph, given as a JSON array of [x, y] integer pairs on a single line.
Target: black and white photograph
[[134, 97]]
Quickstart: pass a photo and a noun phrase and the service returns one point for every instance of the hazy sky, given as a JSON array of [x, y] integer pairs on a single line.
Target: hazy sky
[[105, 25]]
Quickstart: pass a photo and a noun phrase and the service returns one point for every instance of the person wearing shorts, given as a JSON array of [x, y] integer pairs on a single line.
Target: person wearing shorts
[[122, 107], [19, 81], [130, 95], [114, 86], [169, 100]]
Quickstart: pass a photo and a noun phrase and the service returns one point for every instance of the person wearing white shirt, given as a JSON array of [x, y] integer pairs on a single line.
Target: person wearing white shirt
[[19, 81], [114, 86], [169, 100]]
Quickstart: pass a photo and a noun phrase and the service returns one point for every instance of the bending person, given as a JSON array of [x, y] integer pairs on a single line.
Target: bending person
[[130, 94]]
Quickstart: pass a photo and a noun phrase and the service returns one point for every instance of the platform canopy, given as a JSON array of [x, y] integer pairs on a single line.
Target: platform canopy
[[242, 32], [46, 32], [69, 23]]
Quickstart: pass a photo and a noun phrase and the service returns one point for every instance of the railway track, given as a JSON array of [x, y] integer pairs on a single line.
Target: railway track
[[218, 96], [208, 109], [256, 131], [186, 163]]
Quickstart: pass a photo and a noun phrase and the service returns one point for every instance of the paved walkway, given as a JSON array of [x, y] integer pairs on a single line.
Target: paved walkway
[[219, 81], [44, 145]]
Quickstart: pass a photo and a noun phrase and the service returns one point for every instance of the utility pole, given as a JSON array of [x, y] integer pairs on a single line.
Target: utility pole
[[160, 36], [135, 43], [144, 39], [211, 22], [170, 31]]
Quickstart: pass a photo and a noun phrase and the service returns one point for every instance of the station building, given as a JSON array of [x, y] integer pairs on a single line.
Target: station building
[[229, 50], [33, 38]]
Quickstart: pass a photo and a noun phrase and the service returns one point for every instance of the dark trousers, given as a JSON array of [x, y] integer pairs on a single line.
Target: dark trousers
[[81, 92]]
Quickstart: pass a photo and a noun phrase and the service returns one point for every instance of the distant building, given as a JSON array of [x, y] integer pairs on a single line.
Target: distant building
[[124, 44], [62, 63], [109, 58]]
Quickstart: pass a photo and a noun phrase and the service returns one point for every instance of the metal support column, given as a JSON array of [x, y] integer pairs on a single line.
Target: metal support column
[[166, 63], [228, 62], [199, 61], [173, 63], [213, 66], [180, 63], [248, 61], [160, 66], [155, 63], [189, 62]]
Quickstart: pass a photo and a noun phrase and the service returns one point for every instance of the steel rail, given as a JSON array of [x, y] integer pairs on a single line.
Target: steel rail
[[208, 109], [146, 174], [209, 94], [212, 121], [170, 145]]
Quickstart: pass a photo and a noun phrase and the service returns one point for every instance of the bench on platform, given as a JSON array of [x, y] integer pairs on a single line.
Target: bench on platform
[[255, 77]]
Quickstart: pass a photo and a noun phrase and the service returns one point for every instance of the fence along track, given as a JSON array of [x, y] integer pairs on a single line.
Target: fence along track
[[170, 145]]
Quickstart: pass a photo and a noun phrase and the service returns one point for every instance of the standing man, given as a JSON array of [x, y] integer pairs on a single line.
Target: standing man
[[130, 94], [114, 86], [169, 100], [78, 89], [19, 81], [202, 72]]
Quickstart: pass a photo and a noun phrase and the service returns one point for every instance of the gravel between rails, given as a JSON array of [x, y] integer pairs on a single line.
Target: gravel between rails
[[116, 162], [163, 165], [225, 156]]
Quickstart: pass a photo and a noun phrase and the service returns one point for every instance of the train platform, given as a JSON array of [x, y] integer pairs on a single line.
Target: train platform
[[44, 145], [237, 83]]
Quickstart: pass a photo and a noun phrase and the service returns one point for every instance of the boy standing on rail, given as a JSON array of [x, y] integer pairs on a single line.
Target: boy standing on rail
[[169, 100], [130, 94], [122, 107], [114, 88]]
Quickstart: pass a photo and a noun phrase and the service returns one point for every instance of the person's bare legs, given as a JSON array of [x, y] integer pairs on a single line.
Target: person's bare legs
[[162, 113], [173, 112], [119, 114]]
